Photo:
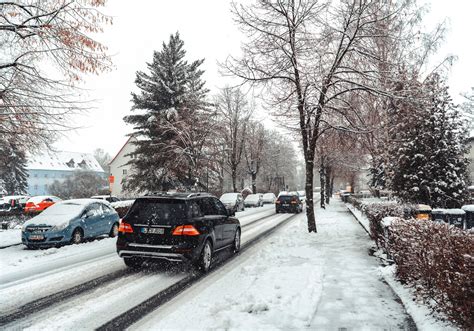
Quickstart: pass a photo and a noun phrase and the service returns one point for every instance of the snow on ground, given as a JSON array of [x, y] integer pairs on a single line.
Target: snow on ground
[[360, 217], [292, 280], [10, 237], [55, 269], [420, 313]]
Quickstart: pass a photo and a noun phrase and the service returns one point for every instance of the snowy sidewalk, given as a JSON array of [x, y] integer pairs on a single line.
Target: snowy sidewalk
[[293, 280]]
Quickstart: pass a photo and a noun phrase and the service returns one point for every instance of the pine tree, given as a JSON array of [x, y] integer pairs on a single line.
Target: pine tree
[[170, 121], [13, 173], [428, 146]]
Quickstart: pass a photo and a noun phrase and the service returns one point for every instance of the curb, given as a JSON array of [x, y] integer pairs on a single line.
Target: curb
[[358, 220]]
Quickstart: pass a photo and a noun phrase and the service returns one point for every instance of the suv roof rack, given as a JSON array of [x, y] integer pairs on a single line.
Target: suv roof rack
[[177, 194]]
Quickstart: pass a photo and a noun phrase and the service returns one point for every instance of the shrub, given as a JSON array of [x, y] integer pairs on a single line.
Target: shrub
[[436, 260]]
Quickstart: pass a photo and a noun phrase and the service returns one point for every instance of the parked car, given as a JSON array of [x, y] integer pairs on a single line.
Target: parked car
[[289, 203], [40, 203], [234, 201], [70, 221], [177, 227], [269, 198], [109, 198], [302, 195], [10, 202], [253, 200]]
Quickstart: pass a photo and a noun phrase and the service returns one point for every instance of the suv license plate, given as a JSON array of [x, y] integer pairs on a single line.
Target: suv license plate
[[36, 237], [153, 230]]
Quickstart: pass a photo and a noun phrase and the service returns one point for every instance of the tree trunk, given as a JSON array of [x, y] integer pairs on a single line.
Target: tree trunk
[[234, 180], [328, 184], [254, 183], [309, 197], [322, 178]]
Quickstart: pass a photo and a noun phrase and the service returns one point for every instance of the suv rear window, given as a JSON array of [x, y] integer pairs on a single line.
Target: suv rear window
[[287, 198], [157, 211]]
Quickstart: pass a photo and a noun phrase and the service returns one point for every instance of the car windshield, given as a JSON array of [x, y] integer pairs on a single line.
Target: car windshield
[[64, 208], [157, 211], [229, 197], [253, 197]]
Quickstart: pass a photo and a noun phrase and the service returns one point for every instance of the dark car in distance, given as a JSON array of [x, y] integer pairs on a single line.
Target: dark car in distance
[[288, 204], [177, 227]]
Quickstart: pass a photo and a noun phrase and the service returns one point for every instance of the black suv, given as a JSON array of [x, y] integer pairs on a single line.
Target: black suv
[[288, 203], [177, 227]]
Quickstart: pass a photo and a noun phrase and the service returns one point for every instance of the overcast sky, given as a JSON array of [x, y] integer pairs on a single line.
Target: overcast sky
[[206, 26]]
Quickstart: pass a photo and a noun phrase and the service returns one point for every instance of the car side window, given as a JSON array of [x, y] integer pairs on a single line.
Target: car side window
[[194, 209], [207, 206], [96, 209], [221, 210]]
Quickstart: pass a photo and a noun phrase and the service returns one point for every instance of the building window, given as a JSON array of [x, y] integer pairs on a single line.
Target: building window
[[35, 175], [36, 187], [124, 171], [45, 175]]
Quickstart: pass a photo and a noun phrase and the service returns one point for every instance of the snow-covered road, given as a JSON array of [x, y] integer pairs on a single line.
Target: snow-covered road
[[73, 265]]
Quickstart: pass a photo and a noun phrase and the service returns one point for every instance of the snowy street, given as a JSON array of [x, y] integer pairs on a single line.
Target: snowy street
[[290, 280]]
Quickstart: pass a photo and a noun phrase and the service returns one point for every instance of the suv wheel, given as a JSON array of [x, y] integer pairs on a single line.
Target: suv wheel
[[77, 237], [236, 245], [206, 257]]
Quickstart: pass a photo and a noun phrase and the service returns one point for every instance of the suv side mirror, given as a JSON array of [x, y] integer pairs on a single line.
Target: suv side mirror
[[230, 211]]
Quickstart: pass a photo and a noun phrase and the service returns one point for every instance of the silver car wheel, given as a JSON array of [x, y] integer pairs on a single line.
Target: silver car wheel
[[206, 256]]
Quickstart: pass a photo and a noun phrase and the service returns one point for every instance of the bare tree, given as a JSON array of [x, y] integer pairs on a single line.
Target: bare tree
[[234, 113], [254, 147], [309, 55], [45, 47]]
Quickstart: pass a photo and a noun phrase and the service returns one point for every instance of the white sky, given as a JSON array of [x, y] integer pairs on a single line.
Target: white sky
[[206, 26]]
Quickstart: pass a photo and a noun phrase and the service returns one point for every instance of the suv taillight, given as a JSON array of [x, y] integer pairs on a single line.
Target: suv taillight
[[185, 230], [294, 201], [125, 227]]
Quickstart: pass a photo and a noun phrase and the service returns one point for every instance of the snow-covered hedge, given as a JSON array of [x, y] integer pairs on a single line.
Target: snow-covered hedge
[[11, 219], [377, 211], [437, 260]]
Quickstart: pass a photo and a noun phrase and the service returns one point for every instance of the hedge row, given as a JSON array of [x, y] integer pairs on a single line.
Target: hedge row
[[435, 259], [376, 212]]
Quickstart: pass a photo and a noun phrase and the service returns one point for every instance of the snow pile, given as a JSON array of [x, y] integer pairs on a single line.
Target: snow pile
[[419, 312]]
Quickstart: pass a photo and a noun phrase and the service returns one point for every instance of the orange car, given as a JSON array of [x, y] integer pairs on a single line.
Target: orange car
[[40, 203]]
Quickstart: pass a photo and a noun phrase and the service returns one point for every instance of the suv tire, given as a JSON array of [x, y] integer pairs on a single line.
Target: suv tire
[[134, 263], [204, 262]]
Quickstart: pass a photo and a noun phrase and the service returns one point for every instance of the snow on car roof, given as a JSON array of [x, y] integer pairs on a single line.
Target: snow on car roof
[[83, 202], [469, 208], [40, 198], [64, 161], [455, 211]]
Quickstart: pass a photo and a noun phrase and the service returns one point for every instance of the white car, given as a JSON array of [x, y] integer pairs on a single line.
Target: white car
[[109, 198], [6, 202], [253, 200], [269, 198], [302, 195]]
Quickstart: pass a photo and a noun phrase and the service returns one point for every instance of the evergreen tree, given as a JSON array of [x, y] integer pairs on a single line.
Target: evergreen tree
[[170, 121], [13, 173], [428, 146]]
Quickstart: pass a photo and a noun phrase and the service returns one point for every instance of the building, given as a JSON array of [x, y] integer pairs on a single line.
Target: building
[[119, 168], [45, 168]]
